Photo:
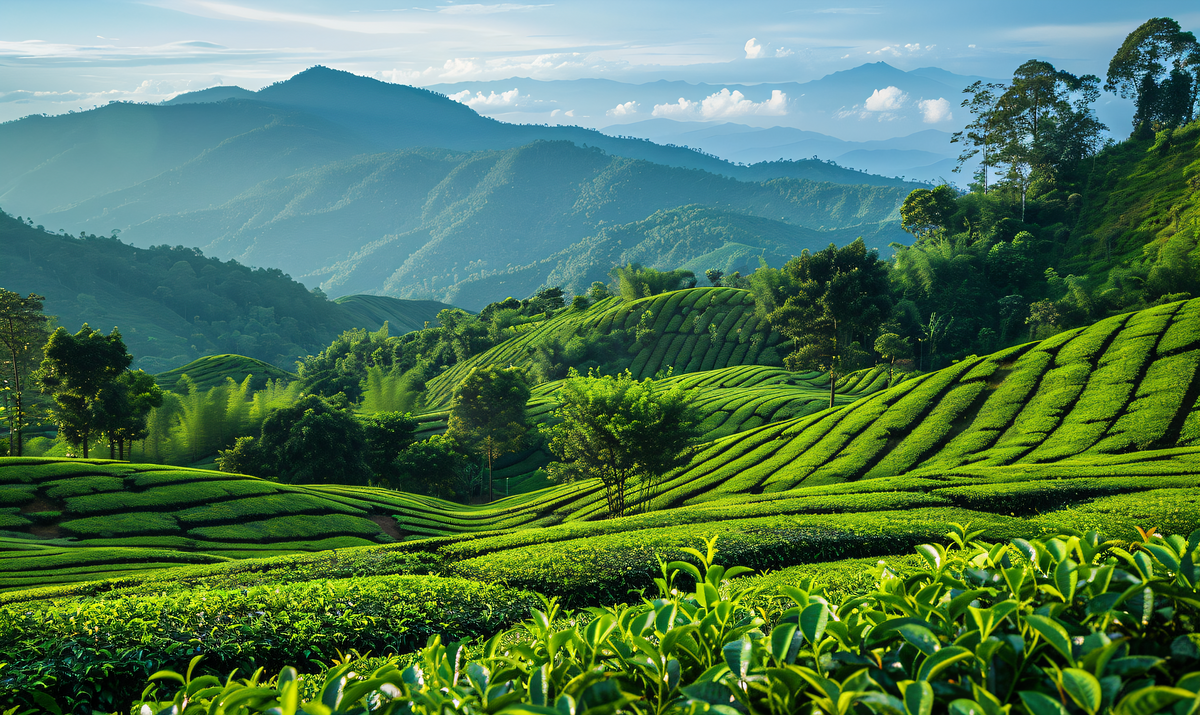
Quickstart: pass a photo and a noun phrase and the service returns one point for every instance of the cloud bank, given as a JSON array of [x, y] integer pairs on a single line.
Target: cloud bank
[[491, 102], [888, 99], [723, 105]]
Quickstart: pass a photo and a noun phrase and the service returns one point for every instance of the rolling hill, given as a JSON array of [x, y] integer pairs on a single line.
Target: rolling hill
[[1096, 427]]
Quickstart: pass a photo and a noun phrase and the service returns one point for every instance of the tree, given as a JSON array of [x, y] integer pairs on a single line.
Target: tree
[[489, 413], [1152, 67], [388, 434], [634, 281], [22, 334], [75, 371], [125, 404], [892, 347], [315, 440], [429, 467], [835, 300], [714, 276], [926, 211], [617, 429], [982, 134]]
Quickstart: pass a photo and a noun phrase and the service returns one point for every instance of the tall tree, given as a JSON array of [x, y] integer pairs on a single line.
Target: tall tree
[[75, 370], [1157, 66], [22, 334], [1030, 110], [618, 429], [927, 211], [982, 135], [836, 300], [489, 413], [125, 404]]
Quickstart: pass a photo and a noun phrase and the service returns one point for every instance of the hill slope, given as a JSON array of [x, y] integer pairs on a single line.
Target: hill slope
[[467, 228], [174, 304]]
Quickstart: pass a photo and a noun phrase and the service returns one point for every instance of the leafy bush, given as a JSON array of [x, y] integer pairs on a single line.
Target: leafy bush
[[95, 654], [1039, 627]]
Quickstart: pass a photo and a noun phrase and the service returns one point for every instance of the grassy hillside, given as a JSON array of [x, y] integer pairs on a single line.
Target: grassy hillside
[[686, 330], [1140, 210], [402, 316]]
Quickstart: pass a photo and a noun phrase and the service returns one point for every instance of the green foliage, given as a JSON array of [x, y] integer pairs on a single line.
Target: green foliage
[[61, 647], [76, 371], [313, 441], [432, 467], [620, 430], [634, 281], [488, 416], [1034, 625], [926, 211], [387, 434]]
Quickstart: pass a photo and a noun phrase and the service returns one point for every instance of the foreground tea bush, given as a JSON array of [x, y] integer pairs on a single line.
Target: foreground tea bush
[[95, 654], [1064, 625]]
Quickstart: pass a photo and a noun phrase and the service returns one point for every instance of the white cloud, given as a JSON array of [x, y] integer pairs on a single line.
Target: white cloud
[[723, 105], [935, 110], [888, 99], [562, 65], [784, 52], [623, 110], [486, 9], [753, 49], [492, 101]]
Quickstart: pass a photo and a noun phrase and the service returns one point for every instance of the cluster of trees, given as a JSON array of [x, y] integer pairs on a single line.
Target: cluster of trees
[[91, 391]]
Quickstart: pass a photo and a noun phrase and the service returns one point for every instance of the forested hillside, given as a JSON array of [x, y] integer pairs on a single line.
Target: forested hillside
[[175, 304], [466, 228]]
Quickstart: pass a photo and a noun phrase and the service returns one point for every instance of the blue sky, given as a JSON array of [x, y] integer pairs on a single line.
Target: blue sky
[[57, 55]]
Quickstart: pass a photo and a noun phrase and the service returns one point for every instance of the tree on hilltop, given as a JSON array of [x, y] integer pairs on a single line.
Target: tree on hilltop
[[832, 303]]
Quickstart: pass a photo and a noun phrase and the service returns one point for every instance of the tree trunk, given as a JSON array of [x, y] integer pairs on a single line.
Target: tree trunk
[[491, 494], [832, 386]]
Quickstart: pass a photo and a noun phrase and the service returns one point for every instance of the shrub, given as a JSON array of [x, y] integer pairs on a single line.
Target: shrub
[[1067, 624]]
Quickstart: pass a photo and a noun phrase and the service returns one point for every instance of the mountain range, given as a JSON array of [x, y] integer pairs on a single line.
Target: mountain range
[[362, 186]]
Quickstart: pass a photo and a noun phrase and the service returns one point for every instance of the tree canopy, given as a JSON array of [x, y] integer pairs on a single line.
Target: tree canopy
[[619, 430], [76, 370], [488, 416]]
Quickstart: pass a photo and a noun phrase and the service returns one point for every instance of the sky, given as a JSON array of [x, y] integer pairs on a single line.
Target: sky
[[62, 55]]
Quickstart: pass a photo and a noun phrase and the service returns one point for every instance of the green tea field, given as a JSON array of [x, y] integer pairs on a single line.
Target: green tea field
[[1060, 432]]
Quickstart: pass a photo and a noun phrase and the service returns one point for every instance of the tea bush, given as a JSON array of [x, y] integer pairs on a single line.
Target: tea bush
[[1069, 624]]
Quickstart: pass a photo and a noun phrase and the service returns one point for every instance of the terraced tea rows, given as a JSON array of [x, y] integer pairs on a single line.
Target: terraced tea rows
[[212, 370], [1056, 433], [692, 330], [1124, 385]]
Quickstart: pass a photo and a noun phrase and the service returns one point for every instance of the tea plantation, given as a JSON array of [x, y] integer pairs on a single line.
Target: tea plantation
[[1095, 428]]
